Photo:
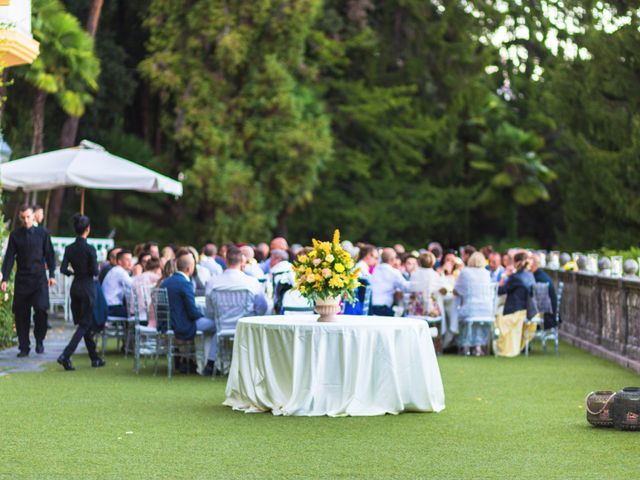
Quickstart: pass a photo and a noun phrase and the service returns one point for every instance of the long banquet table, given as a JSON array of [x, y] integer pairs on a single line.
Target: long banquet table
[[359, 365]]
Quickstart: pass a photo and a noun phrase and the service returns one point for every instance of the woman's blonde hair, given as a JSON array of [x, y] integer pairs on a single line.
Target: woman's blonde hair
[[477, 260], [427, 260]]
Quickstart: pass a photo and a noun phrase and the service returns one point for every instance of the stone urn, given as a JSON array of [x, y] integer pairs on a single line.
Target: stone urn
[[328, 309]]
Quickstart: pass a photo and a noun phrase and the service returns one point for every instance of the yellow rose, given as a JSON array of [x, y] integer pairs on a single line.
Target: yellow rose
[[339, 267], [329, 258], [302, 258]]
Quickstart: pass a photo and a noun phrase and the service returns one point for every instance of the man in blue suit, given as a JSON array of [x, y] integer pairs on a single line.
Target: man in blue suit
[[186, 317]]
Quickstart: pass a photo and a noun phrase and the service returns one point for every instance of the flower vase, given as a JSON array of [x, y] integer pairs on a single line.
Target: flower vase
[[328, 308]]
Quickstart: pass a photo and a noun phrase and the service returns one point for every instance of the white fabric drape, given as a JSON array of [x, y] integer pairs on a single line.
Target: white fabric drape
[[293, 365]]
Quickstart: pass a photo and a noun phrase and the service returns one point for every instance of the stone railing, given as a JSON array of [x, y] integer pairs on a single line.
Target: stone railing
[[601, 315]]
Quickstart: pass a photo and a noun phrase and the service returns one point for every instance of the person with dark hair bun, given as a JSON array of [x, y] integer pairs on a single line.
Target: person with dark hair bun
[[84, 267]]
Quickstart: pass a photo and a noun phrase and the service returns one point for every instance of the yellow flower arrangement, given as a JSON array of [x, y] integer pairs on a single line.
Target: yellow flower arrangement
[[326, 271]]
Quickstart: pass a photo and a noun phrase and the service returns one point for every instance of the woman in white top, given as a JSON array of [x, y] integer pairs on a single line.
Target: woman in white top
[[475, 290]]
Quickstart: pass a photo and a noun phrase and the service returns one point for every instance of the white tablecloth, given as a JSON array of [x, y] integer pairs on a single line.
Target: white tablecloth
[[293, 365]]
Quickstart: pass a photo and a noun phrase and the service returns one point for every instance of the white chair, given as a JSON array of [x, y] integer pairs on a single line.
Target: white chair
[[60, 295], [227, 307], [415, 305], [553, 334], [294, 303], [161, 341], [116, 327], [478, 305]]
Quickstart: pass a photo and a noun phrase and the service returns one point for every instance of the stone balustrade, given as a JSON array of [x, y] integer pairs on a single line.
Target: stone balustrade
[[601, 315]]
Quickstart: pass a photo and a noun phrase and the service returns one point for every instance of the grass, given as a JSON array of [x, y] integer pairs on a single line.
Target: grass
[[505, 418]]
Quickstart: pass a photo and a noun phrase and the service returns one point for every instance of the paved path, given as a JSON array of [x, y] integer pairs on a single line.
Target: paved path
[[57, 339]]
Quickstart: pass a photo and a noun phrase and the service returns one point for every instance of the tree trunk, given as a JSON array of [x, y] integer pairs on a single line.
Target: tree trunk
[[70, 127], [94, 17], [37, 122], [282, 227]]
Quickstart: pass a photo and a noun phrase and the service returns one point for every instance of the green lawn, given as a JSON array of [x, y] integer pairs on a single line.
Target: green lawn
[[505, 418]]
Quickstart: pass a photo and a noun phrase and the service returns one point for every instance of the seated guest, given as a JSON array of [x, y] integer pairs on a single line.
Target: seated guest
[[186, 318], [282, 275], [425, 279], [151, 275], [409, 265], [467, 251], [251, 267], [385, 282], [486, 251], [475, 290], [507, 263], [143, 283], [168, 270], [277, 243], [518, 286], [116, 283], [233, 278], [436, 249], [262, 252], [200, 275], [152, 249], [280, 267], [541, 276], [496, 270], [208, 259], [168, 253], [367, 261], [139, 267], [112, 261]]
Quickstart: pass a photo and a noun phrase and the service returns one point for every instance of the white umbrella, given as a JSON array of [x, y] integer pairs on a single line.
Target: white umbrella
[[87, 166]]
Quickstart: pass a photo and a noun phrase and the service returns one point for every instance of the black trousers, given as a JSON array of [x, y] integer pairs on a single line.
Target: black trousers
[[82, 310], [30, 293], [381, 310]]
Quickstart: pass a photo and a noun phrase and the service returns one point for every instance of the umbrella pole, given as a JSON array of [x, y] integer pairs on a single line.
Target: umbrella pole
[[82, 201]]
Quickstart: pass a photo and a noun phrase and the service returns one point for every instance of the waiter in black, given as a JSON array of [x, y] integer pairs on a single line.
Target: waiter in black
[[31, 248], [82, 258]]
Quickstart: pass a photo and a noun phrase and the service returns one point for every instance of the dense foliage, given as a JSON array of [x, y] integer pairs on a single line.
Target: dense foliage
[[403, 120]]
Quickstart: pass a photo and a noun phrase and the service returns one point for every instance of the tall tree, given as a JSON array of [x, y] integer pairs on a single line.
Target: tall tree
[[70, 126], [66, 66], [238, 98], [402, 79]]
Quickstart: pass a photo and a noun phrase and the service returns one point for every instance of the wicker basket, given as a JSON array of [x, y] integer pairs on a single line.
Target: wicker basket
[[626, 409], [599, 408]]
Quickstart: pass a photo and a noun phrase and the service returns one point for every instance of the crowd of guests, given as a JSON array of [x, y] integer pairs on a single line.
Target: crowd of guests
[[457, 287]]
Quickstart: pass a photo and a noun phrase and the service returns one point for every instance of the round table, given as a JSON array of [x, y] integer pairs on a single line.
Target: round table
[[359, 365]]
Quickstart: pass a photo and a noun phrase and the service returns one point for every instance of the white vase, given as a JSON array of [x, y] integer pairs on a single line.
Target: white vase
[[328, 308]]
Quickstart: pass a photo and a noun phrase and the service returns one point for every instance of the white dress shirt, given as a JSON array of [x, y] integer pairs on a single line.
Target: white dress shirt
[[210, 264], [385, 281], [232, 279], [115, 285], [254, 270]]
